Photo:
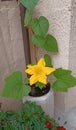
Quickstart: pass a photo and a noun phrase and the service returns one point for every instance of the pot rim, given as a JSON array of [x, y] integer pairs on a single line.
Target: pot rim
[[40, 98]]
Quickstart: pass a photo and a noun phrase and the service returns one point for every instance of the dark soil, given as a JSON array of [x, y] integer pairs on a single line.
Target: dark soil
[[36, 91]]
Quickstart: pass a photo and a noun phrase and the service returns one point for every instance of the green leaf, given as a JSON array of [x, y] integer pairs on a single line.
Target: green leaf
[[50, 44], [64, 80], [38, 41], [40, 85], [27, 89], [27, 81], [48, 60], [40, 26], [30, 108], [29, 4], [14, 87], [61, 72], [28, 17], [2, 115], [60, 86]]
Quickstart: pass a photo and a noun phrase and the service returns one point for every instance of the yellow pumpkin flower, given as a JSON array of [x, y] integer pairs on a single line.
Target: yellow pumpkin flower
[[39, 72]]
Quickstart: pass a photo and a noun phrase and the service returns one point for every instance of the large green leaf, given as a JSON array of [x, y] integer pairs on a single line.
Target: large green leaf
[[40, 26], [60, 86], [64, 80], [28, 17], [50, 44], [14, 87], [59, 73], [38, 41], [48, 60], [29, 4]]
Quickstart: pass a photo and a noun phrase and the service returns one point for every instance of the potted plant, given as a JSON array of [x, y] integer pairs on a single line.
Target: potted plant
[[37, 82], [15, 87], [30, 117]]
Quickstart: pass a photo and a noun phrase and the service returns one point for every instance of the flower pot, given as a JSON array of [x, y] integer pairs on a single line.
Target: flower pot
[[46, 100]]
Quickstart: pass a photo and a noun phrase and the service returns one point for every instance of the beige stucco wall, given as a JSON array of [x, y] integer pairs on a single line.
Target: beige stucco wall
[[59, 14], [11, 47], [71, 96]]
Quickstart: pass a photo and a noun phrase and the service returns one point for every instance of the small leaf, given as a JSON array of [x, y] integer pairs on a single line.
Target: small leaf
[[14, 87], [29, 4], [2, 115], [40, 85], [51, 44], [28, 17], [40, 26], [64, 80], [27, 89], [38, 41], [27, 81], [48, 60]]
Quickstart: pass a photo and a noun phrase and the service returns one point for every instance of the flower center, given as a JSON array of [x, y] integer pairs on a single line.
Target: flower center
[[38, 70]]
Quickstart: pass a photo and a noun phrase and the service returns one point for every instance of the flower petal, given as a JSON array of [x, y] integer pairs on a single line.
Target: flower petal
[[33, 79], [42, 79], [48, 70], [30, 69], [39, 72], [41, 62]]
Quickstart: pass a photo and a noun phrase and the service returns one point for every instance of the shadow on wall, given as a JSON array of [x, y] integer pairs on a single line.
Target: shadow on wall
[[11, 53]]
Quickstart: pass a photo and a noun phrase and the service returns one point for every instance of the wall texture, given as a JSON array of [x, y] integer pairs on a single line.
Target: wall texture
[[11, 47], [58, 13], [70, 98]]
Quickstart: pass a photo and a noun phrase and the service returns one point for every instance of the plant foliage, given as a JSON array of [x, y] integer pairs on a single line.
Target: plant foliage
[[28, 18], [29, 4], [14, 86], [64, 80], [40, 26], [30, 117], [48, 60], [47, 42]]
